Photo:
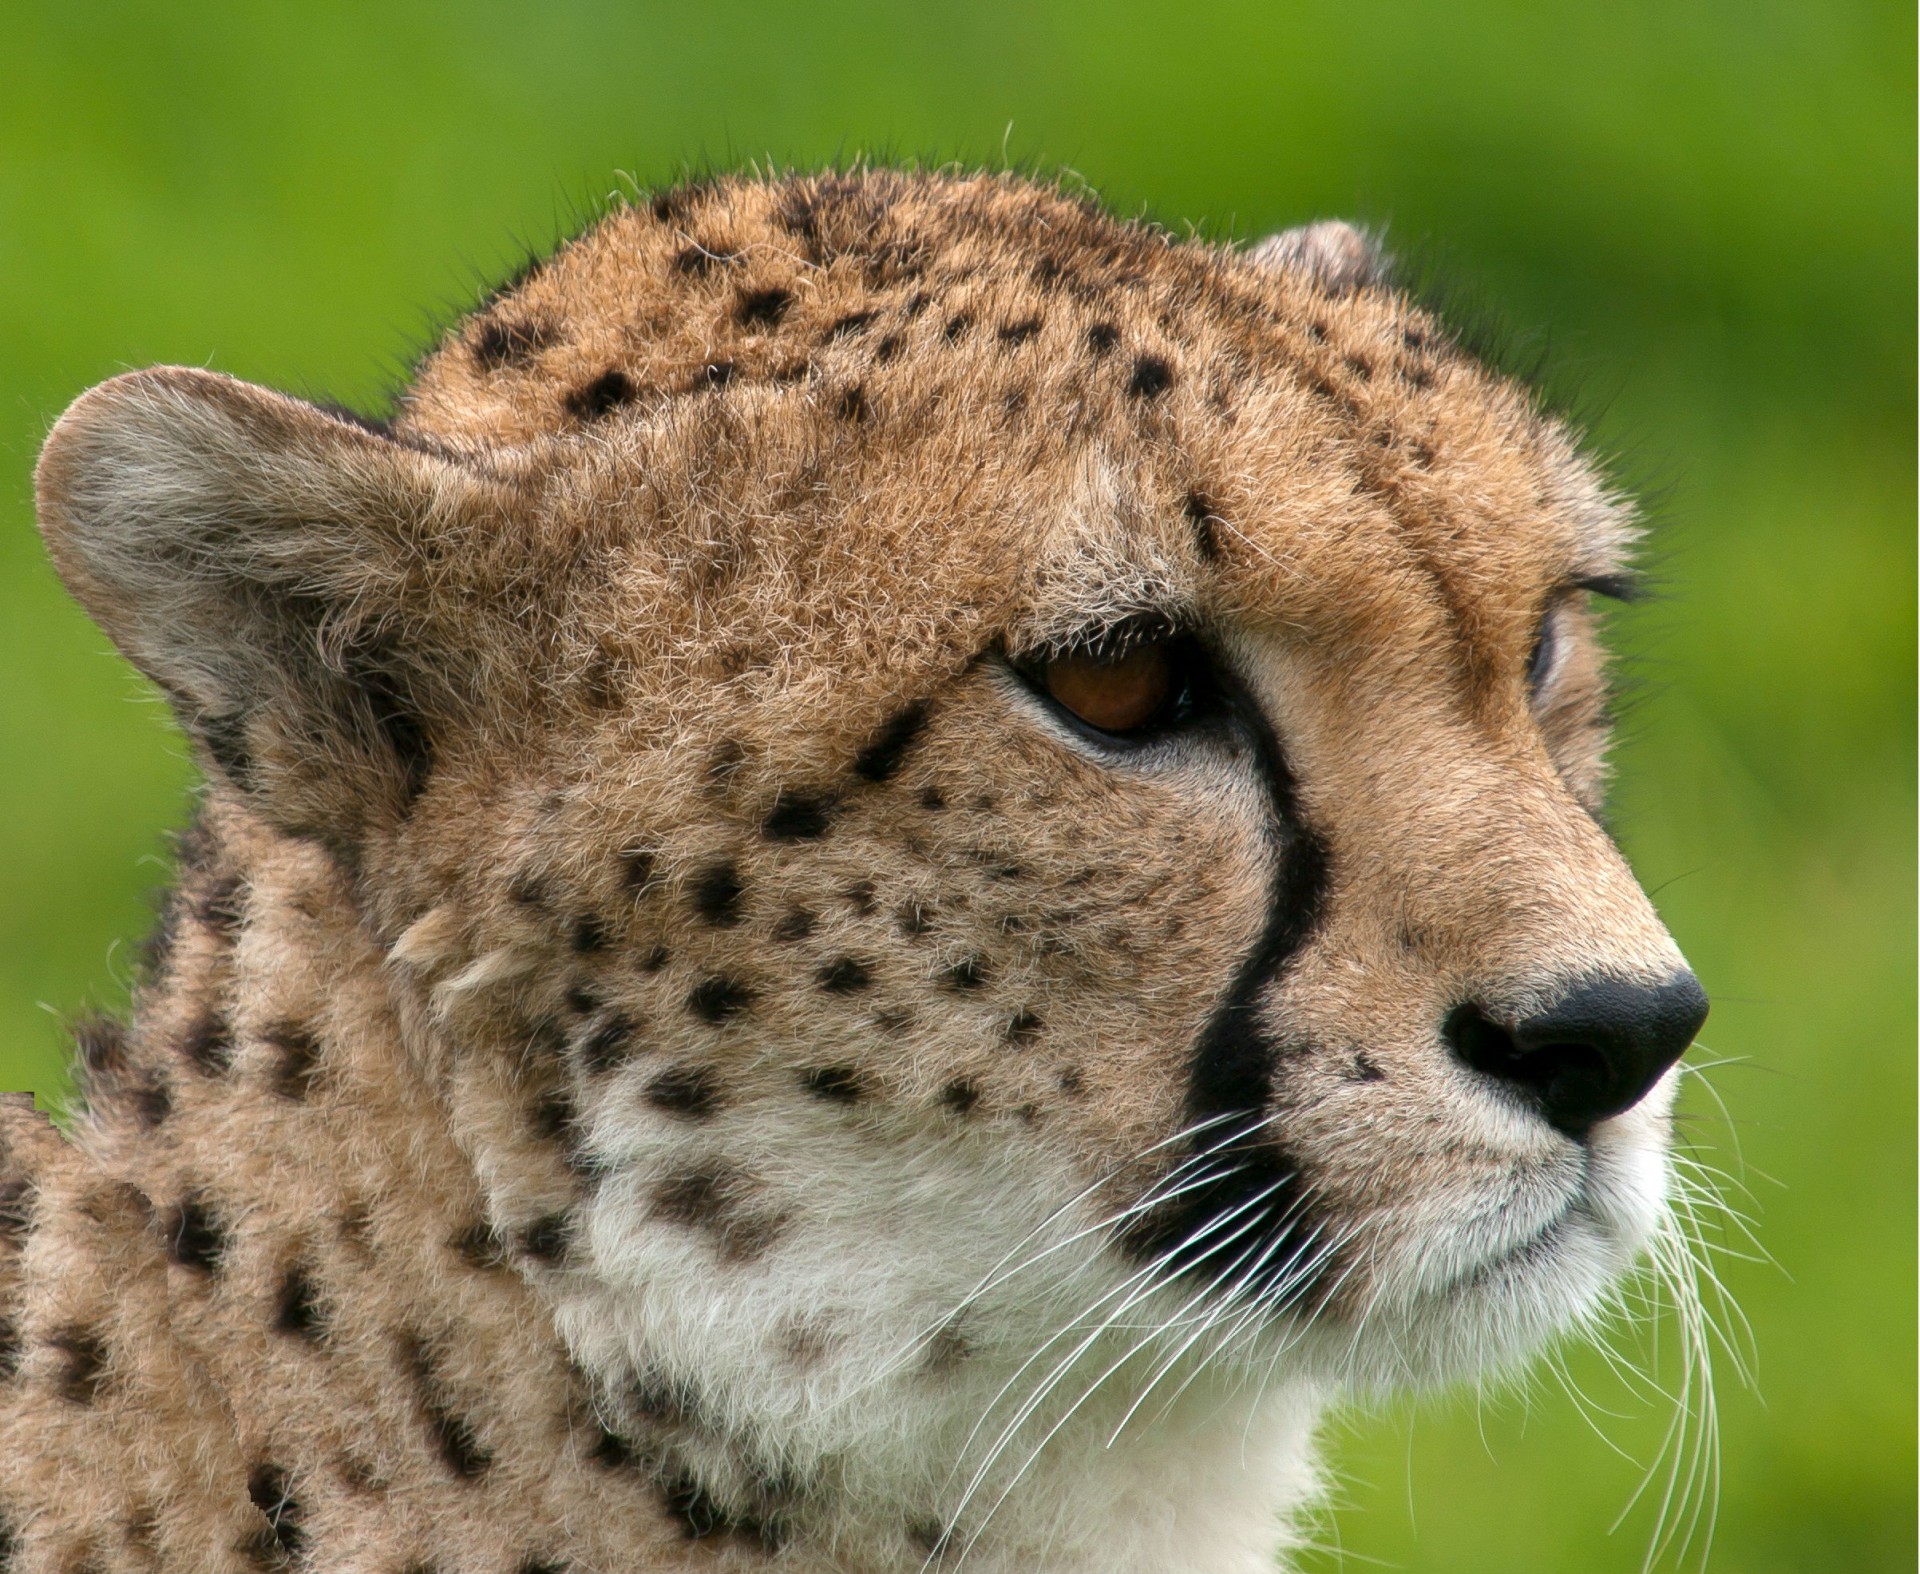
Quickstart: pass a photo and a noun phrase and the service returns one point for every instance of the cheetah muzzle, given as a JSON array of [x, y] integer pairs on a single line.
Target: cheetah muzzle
[[900, 873]]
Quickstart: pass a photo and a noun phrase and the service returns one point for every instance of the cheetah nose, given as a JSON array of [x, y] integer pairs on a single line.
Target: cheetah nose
[[1592, 1054]]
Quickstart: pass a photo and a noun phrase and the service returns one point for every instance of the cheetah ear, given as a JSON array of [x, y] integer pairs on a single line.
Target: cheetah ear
[[271, 567], [1341, 257]]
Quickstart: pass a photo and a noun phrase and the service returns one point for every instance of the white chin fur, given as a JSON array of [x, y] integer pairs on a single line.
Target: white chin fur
[[838, 1353], [1471, 1290]]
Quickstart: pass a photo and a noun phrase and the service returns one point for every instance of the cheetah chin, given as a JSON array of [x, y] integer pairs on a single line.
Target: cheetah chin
[[896, 876]]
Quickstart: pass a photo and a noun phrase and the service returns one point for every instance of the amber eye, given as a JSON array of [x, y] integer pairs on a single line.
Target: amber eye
[[1120, 693]]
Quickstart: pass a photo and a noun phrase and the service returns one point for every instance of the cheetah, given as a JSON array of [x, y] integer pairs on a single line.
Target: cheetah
[[899, 874]]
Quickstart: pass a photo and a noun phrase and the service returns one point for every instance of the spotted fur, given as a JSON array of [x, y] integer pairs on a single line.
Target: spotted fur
[[668, 1052]]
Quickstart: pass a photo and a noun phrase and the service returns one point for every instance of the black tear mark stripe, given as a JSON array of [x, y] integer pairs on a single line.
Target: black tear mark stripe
[[1242, 1170]]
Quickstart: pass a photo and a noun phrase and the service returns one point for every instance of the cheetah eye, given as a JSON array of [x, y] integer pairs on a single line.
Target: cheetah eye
[[1123, 688], [1120, 693], [1540, 662]]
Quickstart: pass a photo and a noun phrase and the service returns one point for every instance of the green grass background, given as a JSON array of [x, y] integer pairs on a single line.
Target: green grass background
[[1707, 208]]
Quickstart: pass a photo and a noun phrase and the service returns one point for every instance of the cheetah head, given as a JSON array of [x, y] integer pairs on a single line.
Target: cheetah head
[[949, 786]]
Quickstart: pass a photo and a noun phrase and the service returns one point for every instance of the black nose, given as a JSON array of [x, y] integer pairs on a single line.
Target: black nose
[[1595, 1052]]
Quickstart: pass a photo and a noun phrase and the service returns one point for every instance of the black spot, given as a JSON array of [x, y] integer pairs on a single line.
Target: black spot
[[1102, 337], [600, 682], [796, 925], [932, 798], [957, 327], [717, 998], [1014, 333], [208, 1043], [692, 1092], [1363, 1068], [843, 977], [715, 375], [553, 1115], [837, 1084], [852, 404], [600, 398], [860, 896], [83, 1361], [1072, 1082], [798, 817], [547, 1238], [582, 999], [883, 753], [914, 918], [101, 1044], [679, 202], [762, 308], [960, 1096], [222, 905], [267, 1487], [853, 322], [691, 1197], [930, 1536], [546, 1038], [724, 763], [1024, 1028], [589, 933], [636, 869], [356, 1228], [480, 1246], [9, 1544], [297, 1311], [655, 959], [296, 1059], [526, 889], [605, 1045], [16, 1212], [1360, 367], [698, 259], [1152, 376], [887, 348], [508, 341], [9, 1351], [225, 739], [194, 1236], [611, 1451], [689, 1505], [1201, 515], [970, 972], [454, 1438], [717, 890]]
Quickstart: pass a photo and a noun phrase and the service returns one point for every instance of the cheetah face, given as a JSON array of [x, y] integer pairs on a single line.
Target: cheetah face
[[928, 758]]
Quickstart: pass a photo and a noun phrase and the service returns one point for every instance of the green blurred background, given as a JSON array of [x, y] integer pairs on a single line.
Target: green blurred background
[[1706, 207]]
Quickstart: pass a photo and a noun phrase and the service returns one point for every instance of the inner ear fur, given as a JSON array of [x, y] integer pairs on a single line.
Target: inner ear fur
[[276, 570]]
